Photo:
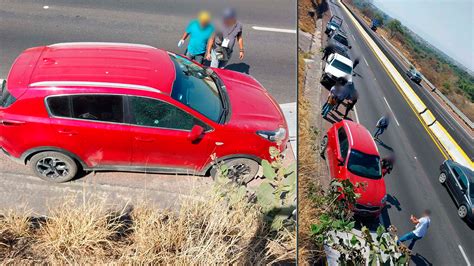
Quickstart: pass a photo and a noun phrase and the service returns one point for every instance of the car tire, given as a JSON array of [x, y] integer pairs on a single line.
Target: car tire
[[323, 146], [53, 166], [462, 211], [240, 170], [442, 178]]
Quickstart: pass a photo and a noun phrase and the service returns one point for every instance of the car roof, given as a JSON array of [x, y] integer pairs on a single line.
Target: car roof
[[343, 59], [360, 138], [93, 63]]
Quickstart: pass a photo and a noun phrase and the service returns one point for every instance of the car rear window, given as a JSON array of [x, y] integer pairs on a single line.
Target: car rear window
[[6, 99], [106, 108]]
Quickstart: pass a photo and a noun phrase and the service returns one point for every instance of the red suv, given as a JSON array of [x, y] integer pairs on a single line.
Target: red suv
[[352, 154], [130, 107]]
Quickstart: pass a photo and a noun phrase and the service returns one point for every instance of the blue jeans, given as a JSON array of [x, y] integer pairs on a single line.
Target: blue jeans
[[409, 236], [198, 57], [326, 109]]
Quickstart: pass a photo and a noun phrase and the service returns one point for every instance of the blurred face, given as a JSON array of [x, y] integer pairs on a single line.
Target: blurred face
[[229, 21]]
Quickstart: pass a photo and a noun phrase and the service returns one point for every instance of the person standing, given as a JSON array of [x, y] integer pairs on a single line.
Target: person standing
[[329, 49], [336, 92], [221, 46], [382, 124], [352, 98], [200, 31], [421, 227]]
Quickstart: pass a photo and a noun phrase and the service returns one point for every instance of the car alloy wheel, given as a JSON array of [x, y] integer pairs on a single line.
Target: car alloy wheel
[[442, 178], [462, 211], [51, 167], [240, 170]]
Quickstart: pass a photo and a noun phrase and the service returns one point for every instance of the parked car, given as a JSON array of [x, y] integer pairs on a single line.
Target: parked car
[[339, 39], [131, 107], [459, 180], [333, 24], [414, 75], [351, 153], [374, 24], [336, 66]]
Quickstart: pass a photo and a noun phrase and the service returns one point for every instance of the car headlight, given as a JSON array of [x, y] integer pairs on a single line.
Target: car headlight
[[275, 136]]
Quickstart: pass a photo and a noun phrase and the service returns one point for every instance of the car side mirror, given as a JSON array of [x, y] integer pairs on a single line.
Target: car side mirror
[[196, 133], [350, 47]]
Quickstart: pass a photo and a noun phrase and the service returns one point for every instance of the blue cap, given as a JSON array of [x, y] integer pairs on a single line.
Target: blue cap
[[229, 13]]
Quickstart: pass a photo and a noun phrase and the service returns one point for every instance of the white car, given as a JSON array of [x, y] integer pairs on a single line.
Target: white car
[[337, 66]]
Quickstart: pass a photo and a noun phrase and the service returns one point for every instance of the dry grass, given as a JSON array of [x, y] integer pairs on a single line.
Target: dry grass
[[305, 22], [308, 171], [210, 231]]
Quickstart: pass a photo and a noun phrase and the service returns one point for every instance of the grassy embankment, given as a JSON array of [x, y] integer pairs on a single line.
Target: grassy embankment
[[210, 231]]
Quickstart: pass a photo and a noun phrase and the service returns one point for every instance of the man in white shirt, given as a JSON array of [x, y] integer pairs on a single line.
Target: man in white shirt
[[421, 227]]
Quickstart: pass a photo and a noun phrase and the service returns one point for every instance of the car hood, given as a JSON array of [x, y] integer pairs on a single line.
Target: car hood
[[372, 192], [251, 105], [337, 73]]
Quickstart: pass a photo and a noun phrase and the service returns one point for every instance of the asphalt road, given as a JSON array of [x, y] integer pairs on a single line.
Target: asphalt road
[[270, 58], [413, 185]]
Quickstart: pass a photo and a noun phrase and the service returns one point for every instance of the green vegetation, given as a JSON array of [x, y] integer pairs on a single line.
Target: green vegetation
[[335, 230]]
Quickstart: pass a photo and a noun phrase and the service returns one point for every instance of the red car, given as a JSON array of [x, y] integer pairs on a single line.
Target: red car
[[130, 107], [351, 153]]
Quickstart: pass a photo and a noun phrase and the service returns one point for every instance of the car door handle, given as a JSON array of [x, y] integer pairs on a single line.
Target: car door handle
[[12, 122], [67, 132], [144, 139]]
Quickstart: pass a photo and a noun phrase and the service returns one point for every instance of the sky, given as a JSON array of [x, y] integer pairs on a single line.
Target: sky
[[446, 24]]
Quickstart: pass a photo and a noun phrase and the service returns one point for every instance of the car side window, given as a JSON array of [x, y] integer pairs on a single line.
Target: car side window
[[59, 106], [463, 181], [343, 142], [107, 108], [155, 113]]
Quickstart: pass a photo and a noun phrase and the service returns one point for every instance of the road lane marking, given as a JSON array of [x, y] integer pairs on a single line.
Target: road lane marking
[[390, 108], [45, 7], [365, 61], [357, 116], [464, 255], [353, 37], [273, 29], [437, 133]]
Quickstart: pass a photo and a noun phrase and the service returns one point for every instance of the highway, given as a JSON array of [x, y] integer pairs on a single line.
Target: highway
[[413, 184], [270, 58]]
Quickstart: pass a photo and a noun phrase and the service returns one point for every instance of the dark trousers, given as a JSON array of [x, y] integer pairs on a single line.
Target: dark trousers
[[349, 107]]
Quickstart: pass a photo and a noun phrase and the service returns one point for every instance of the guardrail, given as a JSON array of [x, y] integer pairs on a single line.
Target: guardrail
[[435, 90], [436, 131]]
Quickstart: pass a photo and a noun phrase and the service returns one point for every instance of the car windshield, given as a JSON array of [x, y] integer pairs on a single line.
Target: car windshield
[[365, 165], [341, 39], [341, 66], [196, 88]]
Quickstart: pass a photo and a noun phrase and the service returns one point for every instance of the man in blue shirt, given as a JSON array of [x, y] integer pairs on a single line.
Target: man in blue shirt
[[199, 30]]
